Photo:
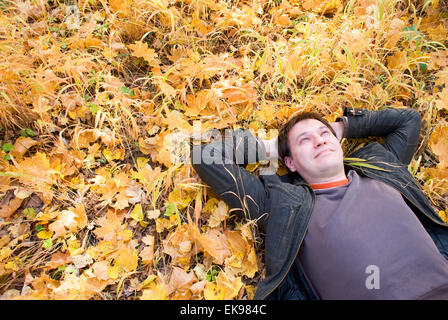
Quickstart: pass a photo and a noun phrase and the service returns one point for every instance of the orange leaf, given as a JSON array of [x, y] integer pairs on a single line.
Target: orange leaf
[[215, 243], [438, 142], [8, 209], [141, 50], [398, 61], [59, 259], [21, 146]]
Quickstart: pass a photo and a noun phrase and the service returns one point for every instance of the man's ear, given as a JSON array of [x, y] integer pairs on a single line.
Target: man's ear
[[289, 163]]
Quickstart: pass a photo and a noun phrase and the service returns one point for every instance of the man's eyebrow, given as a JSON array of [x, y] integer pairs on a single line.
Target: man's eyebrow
[[306, 132]]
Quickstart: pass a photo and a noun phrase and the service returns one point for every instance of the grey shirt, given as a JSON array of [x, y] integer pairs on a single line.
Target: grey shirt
[[364, 242]]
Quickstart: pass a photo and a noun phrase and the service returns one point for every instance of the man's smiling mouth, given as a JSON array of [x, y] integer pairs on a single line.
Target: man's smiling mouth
[[321, 152]]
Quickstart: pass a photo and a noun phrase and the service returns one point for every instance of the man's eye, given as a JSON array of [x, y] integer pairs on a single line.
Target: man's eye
[[325, 132], [304, 140]]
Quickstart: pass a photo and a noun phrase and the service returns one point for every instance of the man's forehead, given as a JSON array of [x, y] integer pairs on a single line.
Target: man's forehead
[[307, 125]]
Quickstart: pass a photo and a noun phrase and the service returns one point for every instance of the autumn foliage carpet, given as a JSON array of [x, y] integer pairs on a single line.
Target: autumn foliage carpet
[[95, 203]]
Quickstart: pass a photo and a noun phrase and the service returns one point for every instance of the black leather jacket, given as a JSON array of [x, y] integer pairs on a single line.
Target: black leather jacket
[[283, 205]]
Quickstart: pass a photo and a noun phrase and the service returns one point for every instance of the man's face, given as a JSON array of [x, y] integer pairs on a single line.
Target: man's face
[[316, 153]]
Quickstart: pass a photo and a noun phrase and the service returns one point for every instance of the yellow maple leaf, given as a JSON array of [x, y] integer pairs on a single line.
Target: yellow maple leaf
[[226, 287], [321, 6], [140, 49], [154, 291], [65, 221], [166, 223], [213, 292], [398, 61], [128, 259], [113, 154], [181, 199], [109, 226], [69, 220]]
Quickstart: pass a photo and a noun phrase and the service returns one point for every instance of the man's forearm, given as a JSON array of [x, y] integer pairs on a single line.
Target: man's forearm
[[401, 127]]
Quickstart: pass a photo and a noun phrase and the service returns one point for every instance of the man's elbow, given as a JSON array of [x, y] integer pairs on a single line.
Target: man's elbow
[[414, 120], [415, 116]]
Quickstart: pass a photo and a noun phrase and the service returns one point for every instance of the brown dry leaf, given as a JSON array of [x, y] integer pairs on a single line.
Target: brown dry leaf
[[442, 102], [110, 224], [100, 269], [398, 61], [71, 220], [147, 254], [215, 244], [37, 173], [442, 78], [180, 245], [9, 206], [21, 146], [438, 142], [439, 59], [218, 215], [180, 283], [282, 20]]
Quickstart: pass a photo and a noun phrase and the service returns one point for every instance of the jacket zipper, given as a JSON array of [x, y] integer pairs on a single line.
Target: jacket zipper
[[298, 247]]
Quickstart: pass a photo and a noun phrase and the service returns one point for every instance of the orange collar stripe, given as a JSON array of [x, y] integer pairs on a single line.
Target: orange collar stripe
[[327, 185]]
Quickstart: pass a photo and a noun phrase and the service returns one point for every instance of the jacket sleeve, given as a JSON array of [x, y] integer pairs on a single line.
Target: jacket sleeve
[[400, 127], [220, 165]]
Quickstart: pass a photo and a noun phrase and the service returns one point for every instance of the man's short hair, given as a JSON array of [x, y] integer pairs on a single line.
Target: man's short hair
[[283, 143]]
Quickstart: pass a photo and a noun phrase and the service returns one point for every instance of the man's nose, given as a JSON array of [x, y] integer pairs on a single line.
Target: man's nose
[[318, 140]]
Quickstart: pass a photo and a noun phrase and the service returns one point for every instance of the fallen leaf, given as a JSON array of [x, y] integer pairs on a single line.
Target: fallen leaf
[[21, 146], [7, 208], [137, 213], [438, 142], [140, 49]]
